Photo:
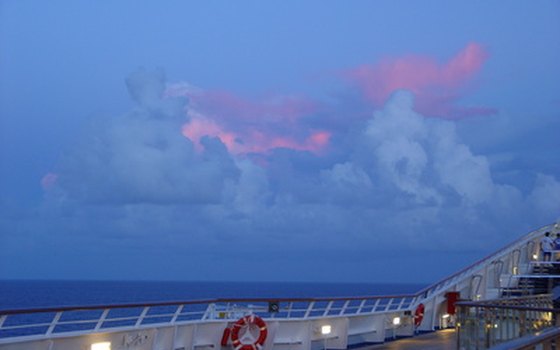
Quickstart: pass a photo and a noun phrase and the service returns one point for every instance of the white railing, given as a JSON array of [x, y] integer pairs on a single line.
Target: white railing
[[48, 322], [528, 242], [45, 322]]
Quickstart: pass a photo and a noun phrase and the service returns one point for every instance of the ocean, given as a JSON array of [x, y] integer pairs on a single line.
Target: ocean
[[35, 294]]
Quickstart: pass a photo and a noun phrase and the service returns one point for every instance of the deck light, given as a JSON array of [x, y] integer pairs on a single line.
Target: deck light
[[106, 345], [326, 329], [396, 321]]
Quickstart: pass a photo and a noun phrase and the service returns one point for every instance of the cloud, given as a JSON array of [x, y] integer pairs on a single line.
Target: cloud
[[437, 87], [250, 126], [180, 172], [143, 157], [399, 169], [424, 158], [544, 196]]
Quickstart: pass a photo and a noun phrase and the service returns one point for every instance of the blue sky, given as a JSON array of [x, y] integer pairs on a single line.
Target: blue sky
[[285, 141]]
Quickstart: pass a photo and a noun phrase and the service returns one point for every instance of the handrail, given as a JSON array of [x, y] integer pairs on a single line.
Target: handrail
[[509, 307], [192, 302], [479, 262], [45, 322], [503, 300], [528, 342], [483, 324]]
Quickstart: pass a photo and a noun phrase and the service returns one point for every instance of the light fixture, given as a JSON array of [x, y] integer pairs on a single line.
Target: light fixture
[[326, 329], [106, 345], [445, 316], [396, 321], [535, 256]]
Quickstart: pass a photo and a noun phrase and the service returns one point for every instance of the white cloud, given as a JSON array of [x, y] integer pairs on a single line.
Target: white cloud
[[347, 175], [142, 157], [468, 175], [251, 192], [402, 182], [545, 197]]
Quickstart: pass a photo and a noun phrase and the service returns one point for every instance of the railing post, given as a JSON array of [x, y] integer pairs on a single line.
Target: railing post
[[102, 319], [375, 305], [487, 329], [54, 322], [522, 322], [358, 312], [458, 324], [344, 307], [309, 308], [177, 313], [400, 304], [388, 304], [2, 320], [141, 317], [290, 306], [328, 308]]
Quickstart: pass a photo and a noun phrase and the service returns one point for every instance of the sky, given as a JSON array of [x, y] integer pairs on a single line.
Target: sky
[[327, 141]]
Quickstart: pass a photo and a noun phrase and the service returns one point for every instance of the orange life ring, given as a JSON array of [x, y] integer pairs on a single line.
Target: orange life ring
[[244, 322], [419, 315]]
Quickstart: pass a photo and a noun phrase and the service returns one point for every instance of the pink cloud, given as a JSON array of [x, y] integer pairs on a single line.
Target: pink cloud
[[227, 107], [252, 140], [250, 126], [49, 180], [437, 86]]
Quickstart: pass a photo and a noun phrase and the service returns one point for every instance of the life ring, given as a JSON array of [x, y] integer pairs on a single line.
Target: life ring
[[419, 315], [247, 322]]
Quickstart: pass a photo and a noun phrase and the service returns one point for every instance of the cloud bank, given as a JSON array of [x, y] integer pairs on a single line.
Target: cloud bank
[[284, 183], [170, 176]]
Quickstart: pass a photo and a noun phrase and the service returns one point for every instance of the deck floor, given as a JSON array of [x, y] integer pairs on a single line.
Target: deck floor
[[440, 340]]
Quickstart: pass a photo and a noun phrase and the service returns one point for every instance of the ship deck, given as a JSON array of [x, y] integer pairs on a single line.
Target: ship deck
[[440, 340]]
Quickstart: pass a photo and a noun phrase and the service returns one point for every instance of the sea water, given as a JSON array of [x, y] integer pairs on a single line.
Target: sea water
[[35, 294]]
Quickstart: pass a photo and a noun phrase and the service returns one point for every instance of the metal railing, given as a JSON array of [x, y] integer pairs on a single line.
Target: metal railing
[[84, 319], [482, 325], [46, 322], [541, 340], [527, 241]]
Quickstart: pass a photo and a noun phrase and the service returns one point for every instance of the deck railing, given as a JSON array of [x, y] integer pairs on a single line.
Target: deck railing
[[85, 319], [482, 325], [527, 240], [547, 339]]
